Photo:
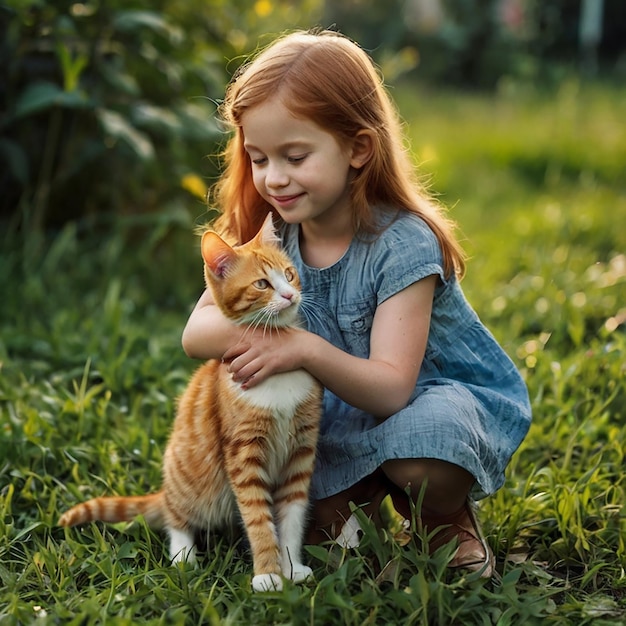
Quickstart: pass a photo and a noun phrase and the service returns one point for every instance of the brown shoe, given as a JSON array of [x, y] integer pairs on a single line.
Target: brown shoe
[[473, 552]]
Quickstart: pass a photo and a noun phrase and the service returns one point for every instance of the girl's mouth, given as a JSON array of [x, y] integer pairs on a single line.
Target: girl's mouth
[[285, 201]]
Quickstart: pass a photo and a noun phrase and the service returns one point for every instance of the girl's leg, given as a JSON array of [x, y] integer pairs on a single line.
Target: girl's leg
[[447, 488], [330, 514], [445, 505], [447, 485]]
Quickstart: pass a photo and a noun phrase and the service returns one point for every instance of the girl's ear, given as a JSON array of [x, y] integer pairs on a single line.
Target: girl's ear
[[362, 148], [217, 254]]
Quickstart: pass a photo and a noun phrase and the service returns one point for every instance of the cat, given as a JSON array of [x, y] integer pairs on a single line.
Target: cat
[[232, 451]]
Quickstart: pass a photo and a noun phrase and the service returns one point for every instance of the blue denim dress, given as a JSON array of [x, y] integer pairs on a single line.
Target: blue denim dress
[[470, 405]]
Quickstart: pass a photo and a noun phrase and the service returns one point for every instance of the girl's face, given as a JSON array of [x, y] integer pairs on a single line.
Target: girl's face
[[299, 168]]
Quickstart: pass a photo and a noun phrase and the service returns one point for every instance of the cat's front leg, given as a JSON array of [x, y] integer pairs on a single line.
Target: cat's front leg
[[245, 462]]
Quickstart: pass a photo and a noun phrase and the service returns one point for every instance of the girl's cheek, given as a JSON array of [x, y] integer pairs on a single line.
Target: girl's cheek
[[257, 181]]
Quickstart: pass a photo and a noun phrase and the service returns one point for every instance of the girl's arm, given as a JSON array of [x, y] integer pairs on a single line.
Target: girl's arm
[[208, 334], [381, 384]]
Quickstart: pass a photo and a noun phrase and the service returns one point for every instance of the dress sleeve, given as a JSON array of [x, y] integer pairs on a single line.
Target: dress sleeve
[[405, 252]]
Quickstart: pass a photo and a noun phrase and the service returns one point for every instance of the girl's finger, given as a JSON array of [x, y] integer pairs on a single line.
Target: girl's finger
[[235, 351]]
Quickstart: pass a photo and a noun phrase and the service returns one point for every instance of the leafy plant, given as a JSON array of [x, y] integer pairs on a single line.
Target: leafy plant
[[97, 98], [110, 107]]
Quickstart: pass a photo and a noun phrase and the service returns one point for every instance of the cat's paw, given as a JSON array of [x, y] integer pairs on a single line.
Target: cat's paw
[[267, 582], [299, 573]]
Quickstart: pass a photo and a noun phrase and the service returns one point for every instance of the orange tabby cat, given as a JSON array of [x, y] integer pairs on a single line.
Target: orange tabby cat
[[233, 451]]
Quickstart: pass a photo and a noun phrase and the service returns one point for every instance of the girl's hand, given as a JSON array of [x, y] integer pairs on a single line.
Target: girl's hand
[[252, 361]]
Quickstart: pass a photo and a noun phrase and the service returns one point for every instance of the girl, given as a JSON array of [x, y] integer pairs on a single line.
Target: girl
[[419, 396]]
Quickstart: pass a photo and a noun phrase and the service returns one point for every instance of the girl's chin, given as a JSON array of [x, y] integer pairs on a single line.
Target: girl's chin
[[290, 217]]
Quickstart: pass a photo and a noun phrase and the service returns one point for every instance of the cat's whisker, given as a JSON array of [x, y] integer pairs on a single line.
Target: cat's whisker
[[258, 318], [246, 330], [311, 310], [273, 327], [267, 325], [265, 318], [257, 321]]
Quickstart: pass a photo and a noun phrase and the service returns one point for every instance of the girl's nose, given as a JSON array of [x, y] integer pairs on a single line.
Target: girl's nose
[[276, 177]]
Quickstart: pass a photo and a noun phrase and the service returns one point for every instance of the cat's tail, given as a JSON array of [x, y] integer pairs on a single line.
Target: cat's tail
[[117, 509]]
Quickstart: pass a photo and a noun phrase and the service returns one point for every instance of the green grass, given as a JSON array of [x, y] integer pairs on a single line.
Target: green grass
[[91, 364]]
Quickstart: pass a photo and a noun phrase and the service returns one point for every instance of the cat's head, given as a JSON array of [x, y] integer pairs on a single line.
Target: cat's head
[[253, 284]]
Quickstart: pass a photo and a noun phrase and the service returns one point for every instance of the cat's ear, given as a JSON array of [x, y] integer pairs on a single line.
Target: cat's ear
[[267, 234], [217, 254]]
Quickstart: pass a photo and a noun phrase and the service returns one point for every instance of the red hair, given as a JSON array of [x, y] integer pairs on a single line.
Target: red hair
[[328, 79]]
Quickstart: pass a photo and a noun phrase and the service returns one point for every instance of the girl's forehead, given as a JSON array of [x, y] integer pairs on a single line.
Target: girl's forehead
[[273, 108], [272, 120]]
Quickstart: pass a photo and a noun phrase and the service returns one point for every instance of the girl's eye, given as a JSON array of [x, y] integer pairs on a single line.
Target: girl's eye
[[290, 274], [262, 283], [259, 161], [296, 159]]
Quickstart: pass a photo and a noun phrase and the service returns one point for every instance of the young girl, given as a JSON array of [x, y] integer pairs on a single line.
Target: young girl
[[419, 396]]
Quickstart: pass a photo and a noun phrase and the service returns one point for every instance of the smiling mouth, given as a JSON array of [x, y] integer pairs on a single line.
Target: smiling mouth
[[285, 199]]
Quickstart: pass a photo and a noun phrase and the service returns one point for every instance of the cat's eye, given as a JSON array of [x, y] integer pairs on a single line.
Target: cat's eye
[[262, 283], [290, 273]]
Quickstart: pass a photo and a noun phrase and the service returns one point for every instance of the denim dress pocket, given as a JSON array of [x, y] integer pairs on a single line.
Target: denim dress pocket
[[355, 325]]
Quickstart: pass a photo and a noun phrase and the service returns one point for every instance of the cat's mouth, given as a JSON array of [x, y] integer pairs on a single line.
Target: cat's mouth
[[283, 312], [276, 315]]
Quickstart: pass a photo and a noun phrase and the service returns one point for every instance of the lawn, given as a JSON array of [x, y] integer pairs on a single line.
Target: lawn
[[91, 365]]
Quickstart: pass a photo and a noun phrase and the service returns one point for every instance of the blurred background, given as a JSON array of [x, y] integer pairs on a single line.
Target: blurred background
[[107, 106]]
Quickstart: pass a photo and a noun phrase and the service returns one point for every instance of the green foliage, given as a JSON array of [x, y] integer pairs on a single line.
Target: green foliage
[[98, 96], [109, 107], [91, 365]]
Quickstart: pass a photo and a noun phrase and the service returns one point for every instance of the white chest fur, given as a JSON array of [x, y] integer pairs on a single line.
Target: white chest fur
[[281, 393]]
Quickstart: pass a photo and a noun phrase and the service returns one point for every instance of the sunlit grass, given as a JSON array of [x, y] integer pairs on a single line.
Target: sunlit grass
[[91, 365]]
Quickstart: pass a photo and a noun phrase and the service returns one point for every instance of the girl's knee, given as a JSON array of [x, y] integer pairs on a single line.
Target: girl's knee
[[405, 472], [440, 479]]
